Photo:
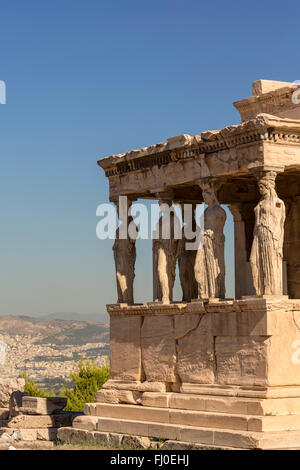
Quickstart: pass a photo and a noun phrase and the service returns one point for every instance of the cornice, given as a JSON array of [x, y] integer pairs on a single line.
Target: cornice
[[199, 307], [264, 128]]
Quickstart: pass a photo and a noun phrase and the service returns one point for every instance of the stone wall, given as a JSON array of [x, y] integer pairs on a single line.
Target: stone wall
[[222, 343], [32, 420]]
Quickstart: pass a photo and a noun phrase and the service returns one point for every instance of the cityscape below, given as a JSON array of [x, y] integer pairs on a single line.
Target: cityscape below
[[48, 349]]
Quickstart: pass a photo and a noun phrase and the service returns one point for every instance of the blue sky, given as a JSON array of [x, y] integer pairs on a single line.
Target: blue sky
[[94, 78]]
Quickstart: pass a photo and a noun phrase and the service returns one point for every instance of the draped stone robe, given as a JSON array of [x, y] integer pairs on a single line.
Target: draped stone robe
[[210, 263], [165, 254], [266, 254], [125, 257]]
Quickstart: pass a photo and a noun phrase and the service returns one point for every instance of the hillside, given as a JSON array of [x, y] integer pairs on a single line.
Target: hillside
[[75, 316], [54, 331], [48, 350]]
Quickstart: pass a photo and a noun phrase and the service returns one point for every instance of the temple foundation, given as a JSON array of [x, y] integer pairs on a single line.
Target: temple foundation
[[222, 374]]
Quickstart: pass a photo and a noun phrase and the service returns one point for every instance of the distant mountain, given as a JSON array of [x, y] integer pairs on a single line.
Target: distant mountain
[[74, 316], [48, 350], [55, 331]]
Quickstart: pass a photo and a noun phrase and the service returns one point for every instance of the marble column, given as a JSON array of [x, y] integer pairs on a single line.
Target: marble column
[[187, 257], [165, 249], [266, 257], [210, 261], [124, 255], [243, 234]]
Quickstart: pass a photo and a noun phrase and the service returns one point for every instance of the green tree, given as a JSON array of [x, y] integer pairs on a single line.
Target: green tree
[[31, 389], [87, 381]]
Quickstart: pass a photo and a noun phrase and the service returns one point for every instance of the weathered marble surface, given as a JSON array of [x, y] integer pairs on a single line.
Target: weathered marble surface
[[125, 257], [165, 253], [187, 258], [158, 349], [267, 249], [195, 348], [125, 348], [220, 343], [263, 140], [209, 262], [269, 97]]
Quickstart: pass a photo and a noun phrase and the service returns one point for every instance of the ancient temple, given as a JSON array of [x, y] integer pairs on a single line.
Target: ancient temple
[[211, 370]]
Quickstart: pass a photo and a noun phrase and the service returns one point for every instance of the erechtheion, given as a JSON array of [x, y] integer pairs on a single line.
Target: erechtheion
[[211, 370]]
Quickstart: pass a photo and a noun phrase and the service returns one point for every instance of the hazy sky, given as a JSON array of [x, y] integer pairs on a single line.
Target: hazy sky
[[86, 79]]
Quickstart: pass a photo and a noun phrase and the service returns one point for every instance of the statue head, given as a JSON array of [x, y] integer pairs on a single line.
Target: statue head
[[209, 190], [164, 205], [266, 185]]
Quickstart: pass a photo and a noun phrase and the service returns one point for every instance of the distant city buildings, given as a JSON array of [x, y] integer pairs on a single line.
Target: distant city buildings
[[49, 365]]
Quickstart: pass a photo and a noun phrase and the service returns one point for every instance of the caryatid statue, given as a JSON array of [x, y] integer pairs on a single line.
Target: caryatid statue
[[187, 257], [125, 255], [165, 251], [210, 262], [266, 253]]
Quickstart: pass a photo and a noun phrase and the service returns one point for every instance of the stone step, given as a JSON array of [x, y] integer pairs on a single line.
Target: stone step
[[43, 406], [71, 435], [240, 391], [208, 419], [220, 404], [232, 405], [201, 403], [201, 435]]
